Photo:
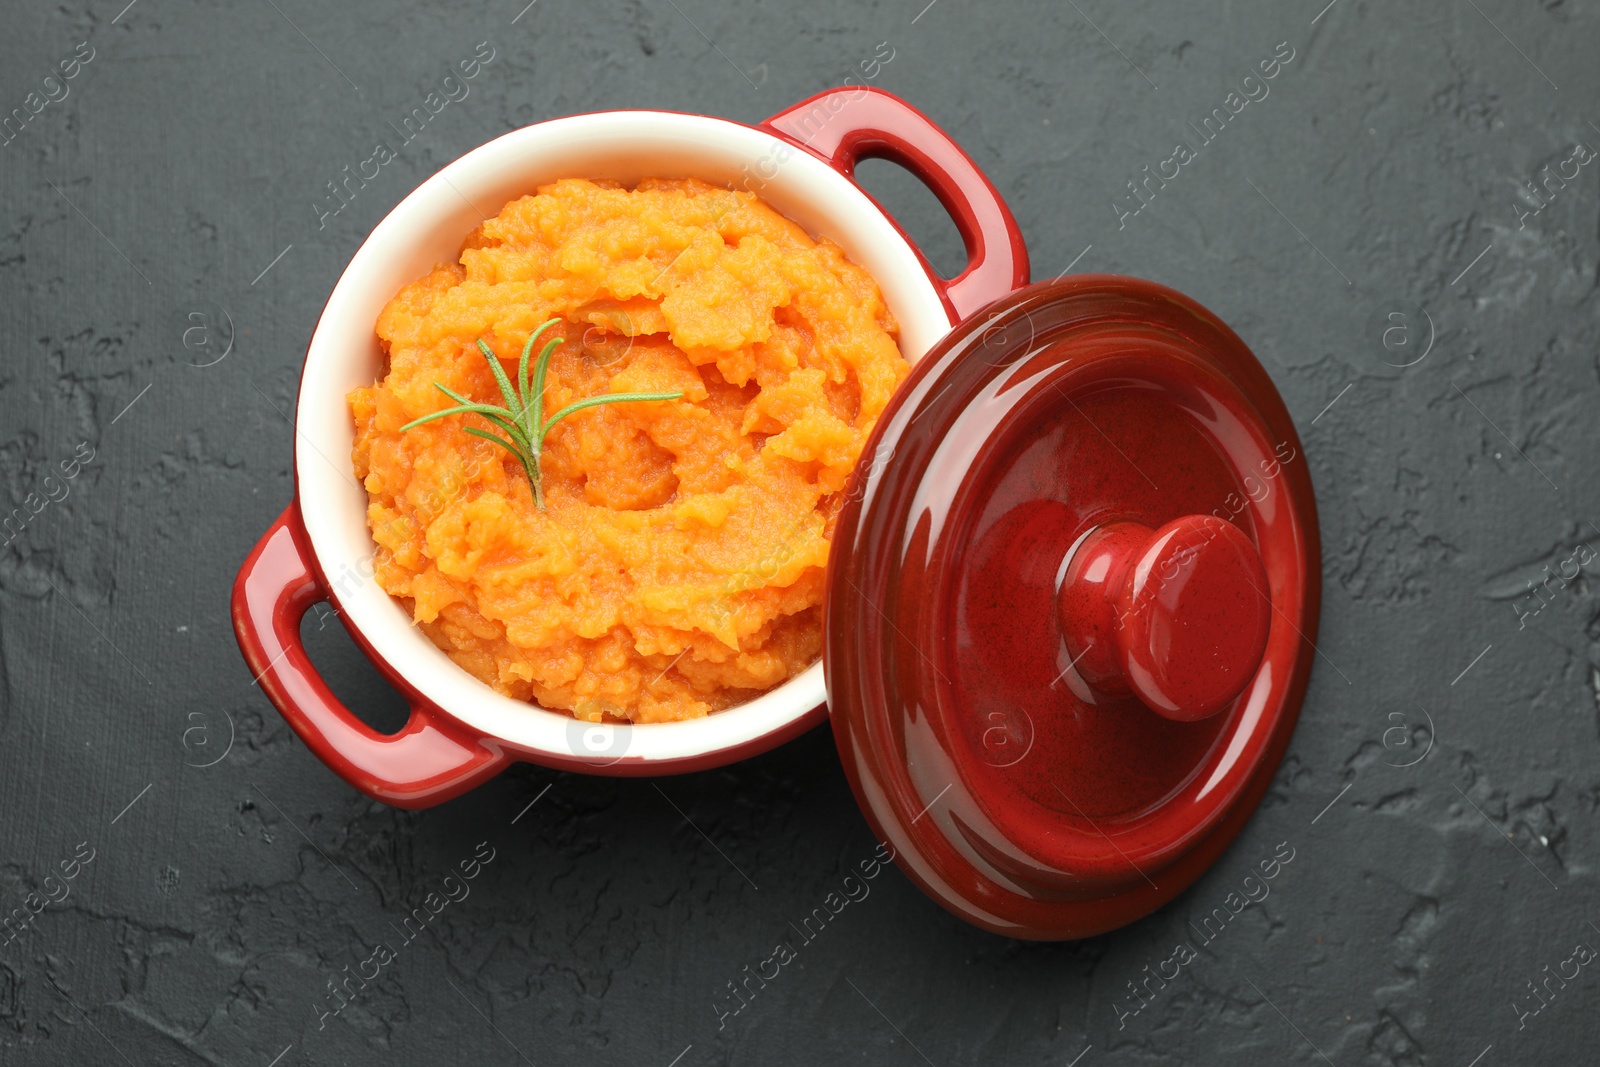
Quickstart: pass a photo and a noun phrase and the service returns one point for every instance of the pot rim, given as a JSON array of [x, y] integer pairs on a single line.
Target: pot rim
[[444, 209]]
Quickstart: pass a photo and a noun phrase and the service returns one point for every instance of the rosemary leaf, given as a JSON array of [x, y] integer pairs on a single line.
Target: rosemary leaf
[[522, 418]]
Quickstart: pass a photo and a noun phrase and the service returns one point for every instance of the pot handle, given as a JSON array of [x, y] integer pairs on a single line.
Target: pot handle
[[846, 125], [429, 761]]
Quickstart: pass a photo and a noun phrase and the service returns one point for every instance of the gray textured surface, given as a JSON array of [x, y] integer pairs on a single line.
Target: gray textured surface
[[192, 150]]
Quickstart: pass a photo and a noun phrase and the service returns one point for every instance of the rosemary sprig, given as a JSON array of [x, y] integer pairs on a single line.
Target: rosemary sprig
[[522, 418]]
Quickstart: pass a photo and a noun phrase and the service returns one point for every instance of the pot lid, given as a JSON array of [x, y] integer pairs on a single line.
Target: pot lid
[[1072, 603]]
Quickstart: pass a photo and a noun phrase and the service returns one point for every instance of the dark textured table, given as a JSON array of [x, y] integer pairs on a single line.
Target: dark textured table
[[1402, 223]]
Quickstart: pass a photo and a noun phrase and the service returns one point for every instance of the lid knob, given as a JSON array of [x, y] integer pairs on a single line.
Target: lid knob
[[1178, 616]]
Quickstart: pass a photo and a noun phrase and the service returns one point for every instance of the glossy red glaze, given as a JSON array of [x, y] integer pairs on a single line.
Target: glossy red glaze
[[845, 126], [1017, 795], [1087, 607], [1178, 616], [437, 757], [430, 760]]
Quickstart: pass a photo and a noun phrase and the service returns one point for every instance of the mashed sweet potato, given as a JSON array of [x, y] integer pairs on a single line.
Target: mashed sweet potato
[[677, 567]]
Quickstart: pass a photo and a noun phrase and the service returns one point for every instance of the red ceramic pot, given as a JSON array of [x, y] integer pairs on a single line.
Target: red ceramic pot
[[460, 731]]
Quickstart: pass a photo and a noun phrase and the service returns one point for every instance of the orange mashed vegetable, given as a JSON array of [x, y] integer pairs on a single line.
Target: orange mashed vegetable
[[677, 568]]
